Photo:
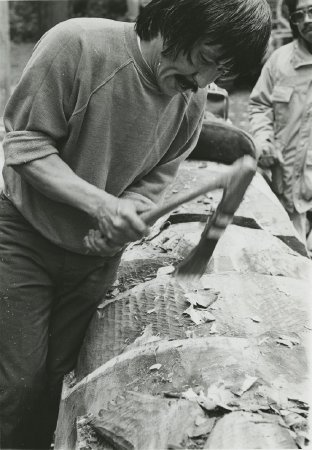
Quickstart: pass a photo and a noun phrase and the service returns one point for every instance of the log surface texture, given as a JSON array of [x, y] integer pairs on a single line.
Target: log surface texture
[[222, 363]]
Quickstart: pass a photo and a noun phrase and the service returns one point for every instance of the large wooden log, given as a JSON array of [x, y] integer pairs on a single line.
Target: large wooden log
[[217, 366], [167, 364], [159, 309]]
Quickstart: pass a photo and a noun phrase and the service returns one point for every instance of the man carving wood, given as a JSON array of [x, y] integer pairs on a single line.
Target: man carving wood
[[95, 130]]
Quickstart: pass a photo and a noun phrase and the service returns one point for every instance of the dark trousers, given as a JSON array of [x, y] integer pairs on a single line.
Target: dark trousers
[[47, 298]]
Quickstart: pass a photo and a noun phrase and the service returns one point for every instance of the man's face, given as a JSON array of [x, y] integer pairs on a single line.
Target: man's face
[[183, 73], [305, 26]]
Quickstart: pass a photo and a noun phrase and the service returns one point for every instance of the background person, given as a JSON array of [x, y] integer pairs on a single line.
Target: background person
[[95, 130], [281, 117]]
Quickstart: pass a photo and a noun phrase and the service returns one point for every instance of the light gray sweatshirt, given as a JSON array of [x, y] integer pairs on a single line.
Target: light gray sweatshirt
[[87, 95]]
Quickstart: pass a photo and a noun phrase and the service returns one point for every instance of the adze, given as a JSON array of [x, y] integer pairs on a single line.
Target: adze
[[234, 182]]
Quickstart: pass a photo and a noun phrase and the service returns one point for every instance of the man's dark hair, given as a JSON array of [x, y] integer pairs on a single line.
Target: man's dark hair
[[292, 6], [242, 27]]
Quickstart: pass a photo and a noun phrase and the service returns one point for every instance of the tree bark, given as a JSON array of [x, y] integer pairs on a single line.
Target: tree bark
[[4, 55], [133, 7], [53, 12]]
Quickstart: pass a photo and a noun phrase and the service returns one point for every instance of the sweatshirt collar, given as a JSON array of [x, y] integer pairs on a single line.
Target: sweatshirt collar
[[135, 53]]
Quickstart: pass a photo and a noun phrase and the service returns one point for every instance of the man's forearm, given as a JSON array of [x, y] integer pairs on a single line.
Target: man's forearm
[[52, 177]]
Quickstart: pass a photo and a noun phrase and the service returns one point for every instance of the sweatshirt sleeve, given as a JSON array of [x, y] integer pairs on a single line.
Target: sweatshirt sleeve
[[36, 116], [153, 185], [261, 113]]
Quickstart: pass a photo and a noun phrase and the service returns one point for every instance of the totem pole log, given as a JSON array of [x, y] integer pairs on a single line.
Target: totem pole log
[[219, 363]]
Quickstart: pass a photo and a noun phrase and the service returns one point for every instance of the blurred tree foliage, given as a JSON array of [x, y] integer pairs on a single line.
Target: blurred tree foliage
[[24, 20], [25, 16]]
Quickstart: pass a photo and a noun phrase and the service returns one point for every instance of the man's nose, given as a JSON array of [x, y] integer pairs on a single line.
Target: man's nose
[[205, 77]]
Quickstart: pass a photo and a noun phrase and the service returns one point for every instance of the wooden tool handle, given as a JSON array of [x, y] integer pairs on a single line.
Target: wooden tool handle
[[220, 181]]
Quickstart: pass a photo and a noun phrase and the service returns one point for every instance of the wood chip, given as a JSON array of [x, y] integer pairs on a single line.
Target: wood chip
[[246, 384], [255, 319], [202, 300], [218, 393], [190, 394], [155, 367], [292, 419], [204, 428], [199, 316], [288, 341], [165, 271], [294, 339]]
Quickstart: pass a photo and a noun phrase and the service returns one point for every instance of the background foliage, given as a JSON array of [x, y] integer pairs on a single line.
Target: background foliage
[[26, 16]]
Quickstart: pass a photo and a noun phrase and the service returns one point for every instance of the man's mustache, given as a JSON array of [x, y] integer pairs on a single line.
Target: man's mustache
[[185, 83], [307, 27]]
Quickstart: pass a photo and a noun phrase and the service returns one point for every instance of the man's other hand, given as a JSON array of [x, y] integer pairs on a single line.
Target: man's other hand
[[270, 156], [96, 244]]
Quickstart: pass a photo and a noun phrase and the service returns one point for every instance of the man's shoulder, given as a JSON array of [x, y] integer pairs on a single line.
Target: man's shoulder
[[94, 25], [90, 30], [97, 44]]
